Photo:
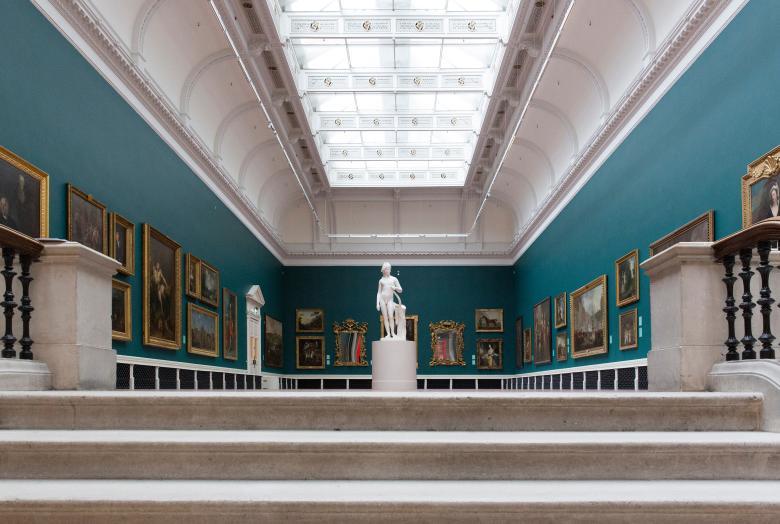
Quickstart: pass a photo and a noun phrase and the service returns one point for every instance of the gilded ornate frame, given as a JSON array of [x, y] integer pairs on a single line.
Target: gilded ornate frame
[[574, 295], [126, 335], [298, 341], [129, 268], [634, 298], [635, 345], [215, 318], [350, 326], [441, 327], [148, 340], [500, 345], [763, 167], [74, 191], [40, 175]]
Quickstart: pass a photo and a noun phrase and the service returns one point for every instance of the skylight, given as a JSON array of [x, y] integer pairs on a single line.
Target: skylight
[[395, 91]]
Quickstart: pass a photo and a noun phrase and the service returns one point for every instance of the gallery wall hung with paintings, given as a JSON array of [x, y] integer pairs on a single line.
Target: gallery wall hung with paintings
[[115, 186]]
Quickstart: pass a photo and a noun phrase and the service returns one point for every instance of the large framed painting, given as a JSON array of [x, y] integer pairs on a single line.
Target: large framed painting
[[202, 331], [209, 284], [627, 278], [309, 320], [122, 249], [561, 351], [490, 353], [162, 290], [87, 220], [447, 343], [489, 320], [273, 352], [229, 325], [192, 276], [761, 189], [121, 319], [700, 229], [528, 355], [628, 330], [350, 343], [24, 196], [310, 352], [559, 305], [589, 335], [542, 332], [519, 342]]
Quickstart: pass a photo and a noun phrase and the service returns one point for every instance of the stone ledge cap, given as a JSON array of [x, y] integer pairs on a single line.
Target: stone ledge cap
[[58, 251]]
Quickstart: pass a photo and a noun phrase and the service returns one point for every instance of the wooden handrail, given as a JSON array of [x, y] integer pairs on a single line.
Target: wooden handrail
[[748, 238], [19, 242]]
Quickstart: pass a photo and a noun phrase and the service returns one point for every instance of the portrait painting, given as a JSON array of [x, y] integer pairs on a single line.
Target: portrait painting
[[310, 352], [229, 325], [192, 276], [628, 330], [24, 196], [122, 249], [309, 320], [589, 319], [447, 343], [561, 351], [559, 304], [519, 342], [489, 320], [350, 343], [761, 189], [528, 355], [121, 319], [542, 332], [209, 284], [627, 278], [162, 290], [700, 229], [87, 220], [490, 353], [202, 331], [273, 352]]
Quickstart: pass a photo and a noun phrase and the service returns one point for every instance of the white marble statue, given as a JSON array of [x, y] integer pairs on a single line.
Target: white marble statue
[[393, 315]]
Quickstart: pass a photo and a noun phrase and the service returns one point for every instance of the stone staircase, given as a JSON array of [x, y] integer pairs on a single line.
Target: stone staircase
[[417, 457]]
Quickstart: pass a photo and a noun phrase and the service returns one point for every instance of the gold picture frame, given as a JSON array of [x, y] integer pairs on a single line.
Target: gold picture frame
[[192, 276], [762, 175], [489, 320], [628, 330], [315, 360], [314, 324], [543, 332], [528, 346], [581, 343], [209, 275], [121, 316], [411, 320], [623, 266], [700, 229], [350, 339], [487, 360], [128, 245], [202, 343], [27, 169], [229, 325], [559, 310], [561, 347], [76, 232], [170, 292], [447, 343]]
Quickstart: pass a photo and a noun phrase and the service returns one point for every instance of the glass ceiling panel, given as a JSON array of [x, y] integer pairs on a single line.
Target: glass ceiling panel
[[395, 90]]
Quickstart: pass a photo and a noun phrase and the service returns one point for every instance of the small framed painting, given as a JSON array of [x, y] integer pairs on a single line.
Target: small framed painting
[[560, 310], [121, 319], [273, 354], [561, 351], [528, 355], [628, 330], [209, 284], [489, 320], [202, 331], [229, 325], [87, 220], [589, 335], [24, 196], [309, 320], [490, 353], [627, 278], [310, 352], [192, 276], [122, 247], [519, 342]]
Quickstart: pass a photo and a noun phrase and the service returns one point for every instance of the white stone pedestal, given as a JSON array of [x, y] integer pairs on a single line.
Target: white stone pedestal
[[24, 375], [394, 365], [71, 324]]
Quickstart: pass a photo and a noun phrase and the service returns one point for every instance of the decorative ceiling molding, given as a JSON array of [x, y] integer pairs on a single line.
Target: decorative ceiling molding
[[141, 24], [196, 72]]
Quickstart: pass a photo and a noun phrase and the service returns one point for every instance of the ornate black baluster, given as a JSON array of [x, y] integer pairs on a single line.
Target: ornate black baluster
[[730, 309], [766, 300], [747, 304], [8, 303], [26, 308]]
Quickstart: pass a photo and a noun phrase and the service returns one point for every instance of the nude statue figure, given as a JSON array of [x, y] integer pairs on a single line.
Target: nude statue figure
[[391, 312]]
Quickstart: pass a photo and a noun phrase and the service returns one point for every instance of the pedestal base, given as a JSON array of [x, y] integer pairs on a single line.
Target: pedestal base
[[394, 365], [24, 375]]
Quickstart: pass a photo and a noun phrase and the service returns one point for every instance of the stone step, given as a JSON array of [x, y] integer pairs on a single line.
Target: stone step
[[344, 502], [388, 455], [425, 411]]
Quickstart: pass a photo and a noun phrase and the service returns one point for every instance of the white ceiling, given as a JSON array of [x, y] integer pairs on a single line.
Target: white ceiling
[[516, 117]]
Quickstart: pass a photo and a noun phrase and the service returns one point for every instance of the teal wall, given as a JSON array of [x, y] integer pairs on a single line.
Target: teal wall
[[685, 157], [57, 112], [433, 293]]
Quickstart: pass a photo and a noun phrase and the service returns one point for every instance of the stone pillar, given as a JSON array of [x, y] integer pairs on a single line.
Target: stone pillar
[[71, 324], [393, 365]]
